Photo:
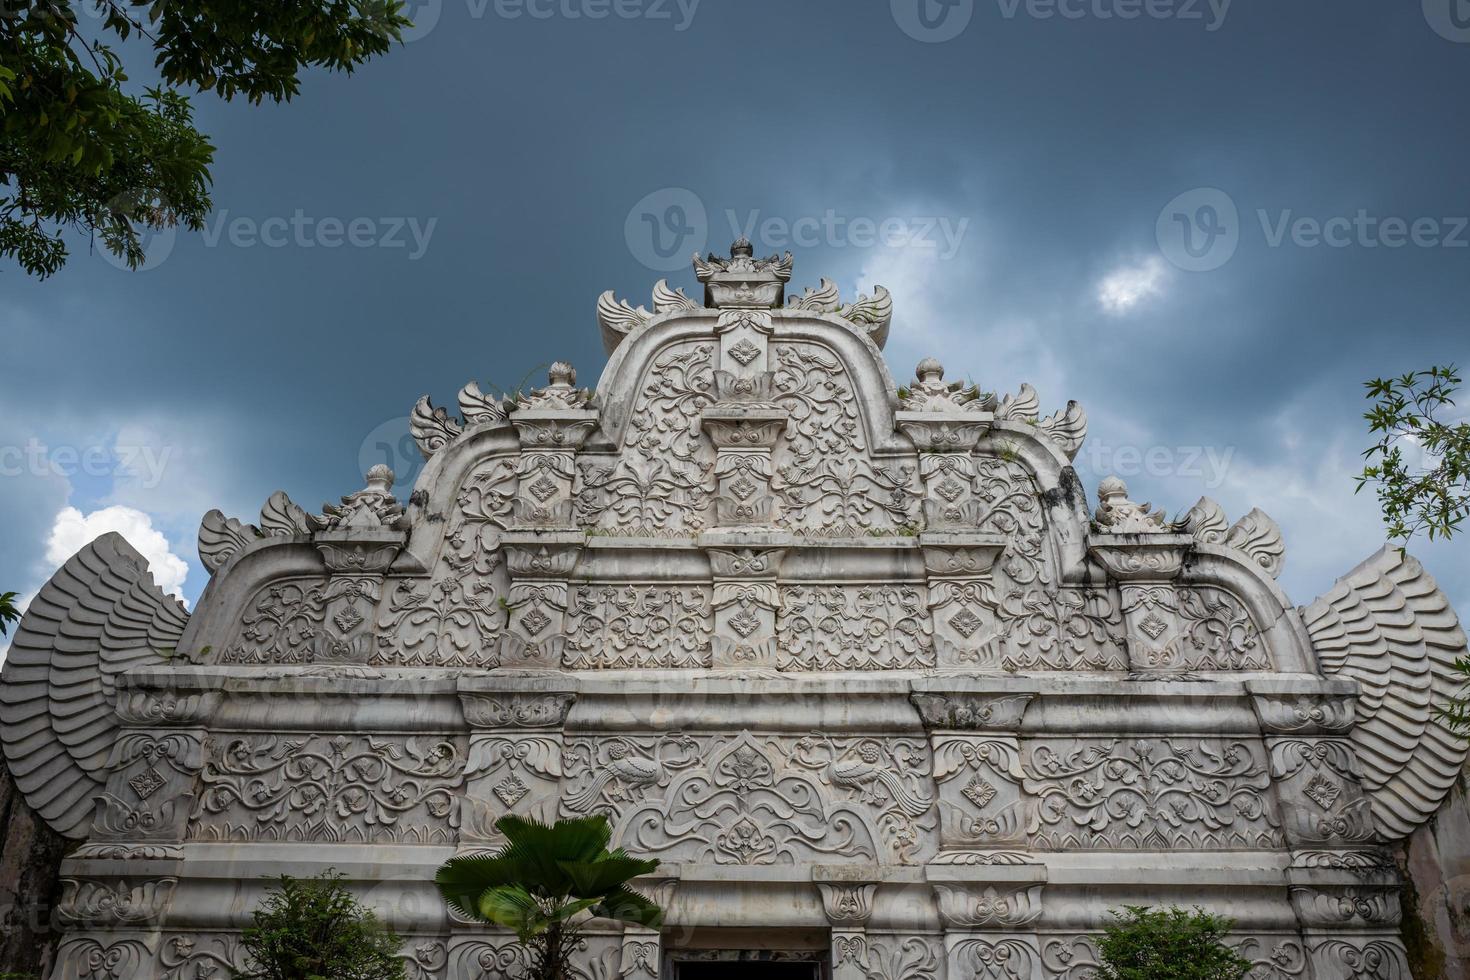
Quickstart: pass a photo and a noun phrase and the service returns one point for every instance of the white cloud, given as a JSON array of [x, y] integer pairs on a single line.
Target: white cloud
[[1127, 286], [72, 530]]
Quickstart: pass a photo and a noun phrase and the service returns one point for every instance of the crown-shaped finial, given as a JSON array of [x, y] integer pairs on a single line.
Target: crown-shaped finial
[[743, 282]]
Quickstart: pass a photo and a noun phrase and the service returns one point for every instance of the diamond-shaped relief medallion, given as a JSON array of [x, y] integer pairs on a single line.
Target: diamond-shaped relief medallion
[[745, 351], [146, 783], [979, 792], [743, 488], [1153, 626], [511, 790], [1322, 791], [949, 489], [348, 619], [965, 623], [543, 488], [746, 622], [535, 621]]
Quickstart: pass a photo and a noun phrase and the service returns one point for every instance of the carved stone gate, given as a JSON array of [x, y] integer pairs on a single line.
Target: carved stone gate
[[852, 660]]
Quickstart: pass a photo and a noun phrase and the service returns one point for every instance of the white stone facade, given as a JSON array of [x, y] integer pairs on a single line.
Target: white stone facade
[[855, 661]]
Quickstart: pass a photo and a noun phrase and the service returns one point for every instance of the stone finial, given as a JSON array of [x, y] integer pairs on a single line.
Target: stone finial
[[1119, 515], [372, 506], [929, 392], [561, 394], [743, 281]]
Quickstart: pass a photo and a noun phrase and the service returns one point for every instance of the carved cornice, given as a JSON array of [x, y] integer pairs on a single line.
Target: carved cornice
[[517, 709], [847, 903], [960, 554], [744, 427], [1141, 557], [974, 906], [944, 432], [542, 555], [359, 551], [96, 904], [972, 711], [145, 707]]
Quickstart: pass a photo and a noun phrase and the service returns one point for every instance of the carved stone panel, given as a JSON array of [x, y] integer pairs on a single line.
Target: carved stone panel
[[754, 799], [330, 788]]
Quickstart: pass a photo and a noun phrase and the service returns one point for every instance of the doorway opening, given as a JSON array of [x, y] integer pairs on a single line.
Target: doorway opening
[[746, 970]]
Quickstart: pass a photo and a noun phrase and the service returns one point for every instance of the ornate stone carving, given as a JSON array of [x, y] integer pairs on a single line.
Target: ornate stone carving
[[114, 904], [743, 281], [221, 537], [374, 506], [1154, 793], [329, 788], [517, 710], [847, 627], [756, 799], [1384, 620], [561, 393], [1117, 514], [1006, 907], [638, 626]]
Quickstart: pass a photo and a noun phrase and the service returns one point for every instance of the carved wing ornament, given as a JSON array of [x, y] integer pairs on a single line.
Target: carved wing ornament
[[1387, 626], [97, 617]]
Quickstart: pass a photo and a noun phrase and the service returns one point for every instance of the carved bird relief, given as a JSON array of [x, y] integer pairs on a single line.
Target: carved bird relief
[[628, 773]]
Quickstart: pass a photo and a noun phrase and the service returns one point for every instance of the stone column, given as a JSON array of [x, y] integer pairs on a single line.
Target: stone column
[[847, 899], [118, 887], [746, 597], [1145, 566], [962, 600], [543, 545], [516, 735], [1343, 884], [357, 560]]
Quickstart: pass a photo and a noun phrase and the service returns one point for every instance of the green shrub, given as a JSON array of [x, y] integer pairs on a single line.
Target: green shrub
[[315, 929], [1168, 944]]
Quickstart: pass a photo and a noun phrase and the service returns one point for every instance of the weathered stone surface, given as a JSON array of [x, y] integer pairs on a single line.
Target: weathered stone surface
[[858, 663]]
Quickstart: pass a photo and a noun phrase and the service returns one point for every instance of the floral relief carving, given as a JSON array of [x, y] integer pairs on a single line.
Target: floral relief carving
[[214, 957], [1156, 793], [756, 799], [995, 959], [854, 627], [281, 624], [638, 626], [888, 957], [1070, 629], [1218, 632], [331, 788]]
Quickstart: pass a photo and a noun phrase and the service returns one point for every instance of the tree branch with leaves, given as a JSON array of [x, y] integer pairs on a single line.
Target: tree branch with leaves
[[79, 152], [1420, 466]]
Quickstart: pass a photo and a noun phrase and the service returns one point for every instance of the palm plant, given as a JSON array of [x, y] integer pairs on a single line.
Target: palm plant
[[542, 879]]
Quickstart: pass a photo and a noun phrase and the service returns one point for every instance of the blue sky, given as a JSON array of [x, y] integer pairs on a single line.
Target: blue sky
[[1020, 173]]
